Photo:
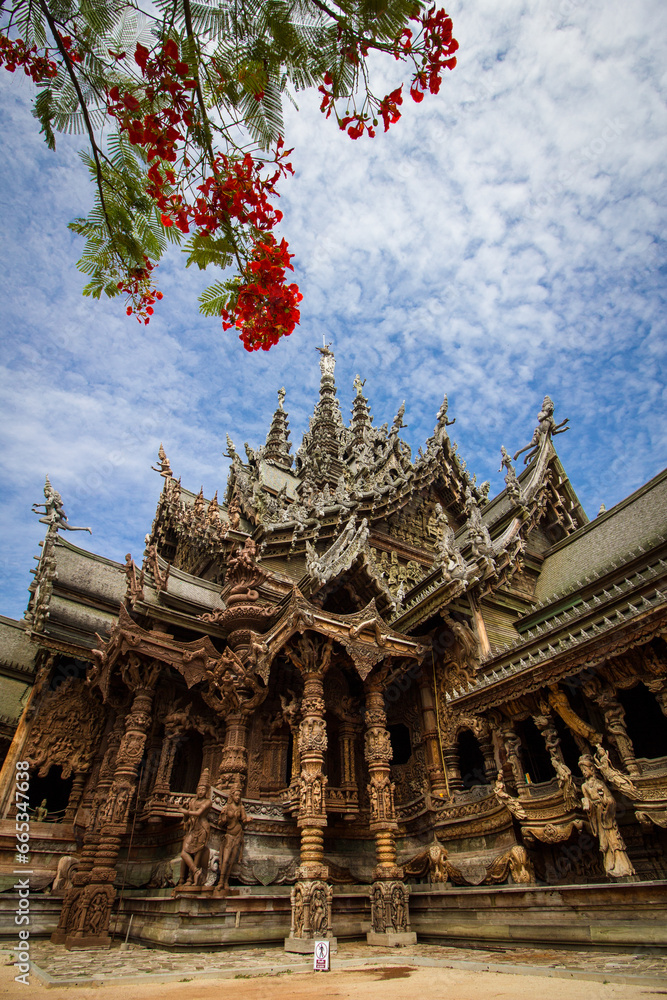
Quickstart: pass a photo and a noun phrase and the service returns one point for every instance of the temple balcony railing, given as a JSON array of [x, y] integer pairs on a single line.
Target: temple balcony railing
[[337, 800], [165, 805]]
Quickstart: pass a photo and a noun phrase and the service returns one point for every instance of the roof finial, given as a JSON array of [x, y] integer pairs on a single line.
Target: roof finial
[[358, 384], [54, 512], [281, 397], [546, 428], [165, 466]]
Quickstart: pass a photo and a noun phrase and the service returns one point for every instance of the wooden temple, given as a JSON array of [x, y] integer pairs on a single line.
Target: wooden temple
[[356, 697]]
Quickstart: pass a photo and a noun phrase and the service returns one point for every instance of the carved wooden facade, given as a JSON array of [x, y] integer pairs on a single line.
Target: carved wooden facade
[[401, 678]]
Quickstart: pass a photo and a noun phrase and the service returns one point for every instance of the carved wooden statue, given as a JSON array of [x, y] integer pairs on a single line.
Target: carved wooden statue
[[234, 817], [197, 834], [600, 807]]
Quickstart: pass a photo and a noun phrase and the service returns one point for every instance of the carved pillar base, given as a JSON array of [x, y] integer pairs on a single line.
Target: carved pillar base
[[385, 854], [390, 916], [311, 864], [451, 759], [233, 770], [312, 901], [74, 797], [86, 911]]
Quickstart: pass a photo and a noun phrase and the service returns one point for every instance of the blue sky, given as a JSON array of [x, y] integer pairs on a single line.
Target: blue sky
[[504, 240]]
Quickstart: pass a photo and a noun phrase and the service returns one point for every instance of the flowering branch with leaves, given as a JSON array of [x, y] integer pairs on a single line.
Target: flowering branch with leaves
[[182, 107]]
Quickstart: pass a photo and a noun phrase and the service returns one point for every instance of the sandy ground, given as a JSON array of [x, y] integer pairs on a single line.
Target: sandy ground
[[394, 983]]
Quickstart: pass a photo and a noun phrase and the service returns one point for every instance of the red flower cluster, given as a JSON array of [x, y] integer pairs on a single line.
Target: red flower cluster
[[355, 124], [389, 107], [73, 54], [328, 98], [237, 191], [436, 47], [137, 286], [359, 124], [157, 130], [439, 49], [13, 54], [264, 308]]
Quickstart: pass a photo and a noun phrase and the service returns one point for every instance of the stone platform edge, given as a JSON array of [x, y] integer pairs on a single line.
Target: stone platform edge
[[350, 964]]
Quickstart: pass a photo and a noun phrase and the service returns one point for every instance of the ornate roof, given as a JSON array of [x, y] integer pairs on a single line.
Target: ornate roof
[[354, 505]]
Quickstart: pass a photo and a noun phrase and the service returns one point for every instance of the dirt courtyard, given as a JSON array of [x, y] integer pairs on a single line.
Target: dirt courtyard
[[379, 983]]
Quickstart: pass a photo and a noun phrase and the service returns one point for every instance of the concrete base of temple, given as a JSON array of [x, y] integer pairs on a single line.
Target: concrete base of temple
[[621, 916], [88, 942], [306, 946], [391, 939], [76, 942]]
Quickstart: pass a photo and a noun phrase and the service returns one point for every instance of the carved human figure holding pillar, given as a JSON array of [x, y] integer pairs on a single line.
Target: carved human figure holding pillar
[[197, 834], [600, 806], [234, 818]]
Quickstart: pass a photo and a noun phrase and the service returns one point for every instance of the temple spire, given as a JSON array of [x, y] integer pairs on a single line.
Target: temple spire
[[327, 431], [361, 417], [278, 447]]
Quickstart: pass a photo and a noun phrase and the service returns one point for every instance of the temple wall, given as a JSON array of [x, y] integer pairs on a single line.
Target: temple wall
[[621, 916], [627, 915]]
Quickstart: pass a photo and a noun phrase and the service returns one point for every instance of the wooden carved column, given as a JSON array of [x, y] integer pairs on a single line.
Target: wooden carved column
[[614, 723], [658, 687], [346, 735], [75, 794], [166, 762], [71, 906], [105, 777], [150, 771], [452, 763], [512, 742], [312, 780], [234, 692], [291, 713], [390, 917], [545, 724], [209, 751], [378, 754], [86, 922], [233, 770], [434, 761], [486, 746], [311, 897]]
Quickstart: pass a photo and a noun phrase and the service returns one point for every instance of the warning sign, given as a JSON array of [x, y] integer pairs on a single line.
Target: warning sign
[[321, 956]]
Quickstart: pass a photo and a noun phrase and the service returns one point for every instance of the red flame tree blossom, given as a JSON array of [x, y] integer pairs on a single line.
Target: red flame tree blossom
[[182, 107]]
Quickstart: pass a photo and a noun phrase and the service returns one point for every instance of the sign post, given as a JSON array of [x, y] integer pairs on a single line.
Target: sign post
[[321, 956]]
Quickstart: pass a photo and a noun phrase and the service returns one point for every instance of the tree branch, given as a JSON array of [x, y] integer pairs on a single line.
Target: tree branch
[[84, 110], [206, 127]]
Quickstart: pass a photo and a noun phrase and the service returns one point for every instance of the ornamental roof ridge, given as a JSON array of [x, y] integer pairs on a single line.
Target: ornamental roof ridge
[[365, 636]]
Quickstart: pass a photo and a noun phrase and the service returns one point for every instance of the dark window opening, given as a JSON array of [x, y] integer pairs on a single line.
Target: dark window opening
[[332, 762], [568, 745], [340, 601], [646, 725], [400, 743], [288, 762], [535, 756], [5, 744], [55, 789], [471, 760], [187, 764]]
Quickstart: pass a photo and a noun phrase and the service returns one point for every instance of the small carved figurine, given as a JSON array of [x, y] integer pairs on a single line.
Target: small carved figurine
[[41, 812]]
